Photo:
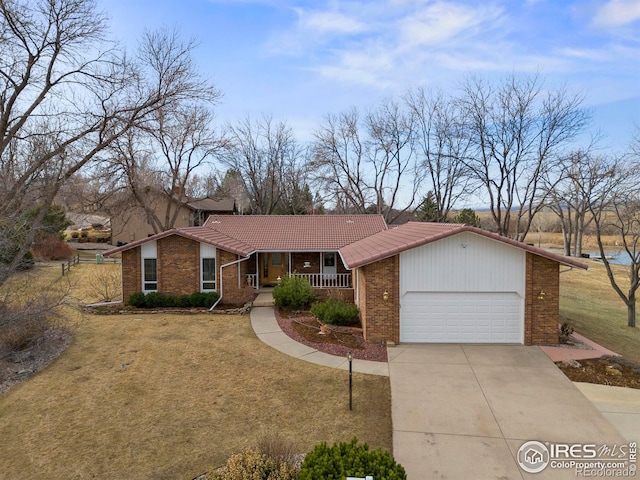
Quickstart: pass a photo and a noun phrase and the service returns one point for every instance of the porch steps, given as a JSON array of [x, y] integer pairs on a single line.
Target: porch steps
[[264, 299]]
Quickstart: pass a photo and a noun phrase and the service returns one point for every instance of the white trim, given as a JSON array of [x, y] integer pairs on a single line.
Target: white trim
[[148, 251], [208, 252]]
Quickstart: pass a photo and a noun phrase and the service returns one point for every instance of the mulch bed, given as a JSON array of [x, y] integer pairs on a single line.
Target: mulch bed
[[607, 370], [305, 329]]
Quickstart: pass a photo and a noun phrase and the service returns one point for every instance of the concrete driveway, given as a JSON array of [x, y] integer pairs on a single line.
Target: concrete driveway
[[463, 411]]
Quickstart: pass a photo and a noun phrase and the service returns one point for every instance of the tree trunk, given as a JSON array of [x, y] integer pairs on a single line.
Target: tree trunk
[[566, 240], [577, 250], [631, 312]]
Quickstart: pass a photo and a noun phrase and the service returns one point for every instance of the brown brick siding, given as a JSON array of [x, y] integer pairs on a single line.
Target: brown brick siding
[[234, 291], [380, 318], [344, 295], [179, 271], [178, 265], [131, 273], [541, 314], [298, 259]]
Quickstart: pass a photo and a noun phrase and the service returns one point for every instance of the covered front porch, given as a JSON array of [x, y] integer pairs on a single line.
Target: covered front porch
[[321, 269]]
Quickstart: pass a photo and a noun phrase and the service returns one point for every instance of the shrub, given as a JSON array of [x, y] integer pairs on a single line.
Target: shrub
[[52, 248], [334, 312], [277, 448], [106, 285], [183, 301], [349, 459], [160, 300], [209, 299], [27, 262], [256, 466], [137, 300], [566, 330], [293, 293]]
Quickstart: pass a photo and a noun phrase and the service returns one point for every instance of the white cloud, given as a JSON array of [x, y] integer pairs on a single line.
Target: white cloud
[[617, 12], [369, 67], [442, 22], [388, 44], [329, 22]]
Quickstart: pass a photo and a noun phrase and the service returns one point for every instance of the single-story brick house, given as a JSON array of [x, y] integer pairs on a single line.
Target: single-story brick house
[[417, 282]]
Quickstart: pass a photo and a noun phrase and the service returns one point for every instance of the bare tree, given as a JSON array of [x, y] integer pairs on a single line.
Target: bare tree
[[443, 146], [265, 153], [517, 130], [339, 162], [66, 95], [160, 159], [584, 182], [620, 215], [370, 161]]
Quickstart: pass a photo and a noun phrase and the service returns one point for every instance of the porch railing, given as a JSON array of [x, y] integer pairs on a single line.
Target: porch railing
[[316, 280], [327, 280], [252, 279]]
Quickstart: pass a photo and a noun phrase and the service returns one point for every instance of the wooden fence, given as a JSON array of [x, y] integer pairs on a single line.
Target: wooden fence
[[76, 259], [70, 263]]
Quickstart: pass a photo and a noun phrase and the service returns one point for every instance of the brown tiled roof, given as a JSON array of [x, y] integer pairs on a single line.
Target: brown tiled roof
[[297, 232], [414, 234], [244, 234]]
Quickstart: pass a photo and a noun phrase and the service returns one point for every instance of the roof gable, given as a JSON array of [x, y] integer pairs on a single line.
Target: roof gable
[[414, 234]]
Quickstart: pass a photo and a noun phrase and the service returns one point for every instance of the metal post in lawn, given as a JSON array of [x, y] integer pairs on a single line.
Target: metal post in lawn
[[350, 357]]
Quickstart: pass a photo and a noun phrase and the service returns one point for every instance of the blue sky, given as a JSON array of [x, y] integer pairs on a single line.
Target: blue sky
[[300, 60]]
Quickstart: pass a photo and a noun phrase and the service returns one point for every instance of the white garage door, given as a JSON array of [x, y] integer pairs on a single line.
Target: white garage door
[[456, 317]]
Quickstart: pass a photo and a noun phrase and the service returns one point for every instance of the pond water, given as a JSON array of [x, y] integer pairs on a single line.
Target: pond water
[[618, 258]]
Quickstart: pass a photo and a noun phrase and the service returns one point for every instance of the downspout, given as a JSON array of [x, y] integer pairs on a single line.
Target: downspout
[[221, 267]]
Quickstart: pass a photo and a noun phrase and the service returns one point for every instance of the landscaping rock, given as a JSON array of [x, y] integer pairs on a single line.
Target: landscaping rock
[[612, 371], [572, 363]]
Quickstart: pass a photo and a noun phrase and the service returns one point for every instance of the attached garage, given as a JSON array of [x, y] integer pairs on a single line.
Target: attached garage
[[465, 288], [456, 317]]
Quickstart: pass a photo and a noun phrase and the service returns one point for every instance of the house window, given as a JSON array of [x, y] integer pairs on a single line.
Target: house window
[[149, 253], [207, 268], [208, 274], [150, 275], [329, 259]]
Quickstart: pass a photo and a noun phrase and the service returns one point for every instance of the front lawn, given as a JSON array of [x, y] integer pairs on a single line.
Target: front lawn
[[172, 396], [596, 311]]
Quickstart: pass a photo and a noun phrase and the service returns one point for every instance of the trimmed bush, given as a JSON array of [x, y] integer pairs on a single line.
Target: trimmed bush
[[160, 300], [293, 293], [256, 466], [209, 299], [136, 300], [334, 312], [349, 460]]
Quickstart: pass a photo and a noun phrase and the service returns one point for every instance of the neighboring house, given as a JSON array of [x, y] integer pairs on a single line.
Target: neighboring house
[[134, 223], [417, 282]]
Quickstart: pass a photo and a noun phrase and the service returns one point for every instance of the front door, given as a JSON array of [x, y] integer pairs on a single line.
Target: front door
[[329, 268], [273, 266]]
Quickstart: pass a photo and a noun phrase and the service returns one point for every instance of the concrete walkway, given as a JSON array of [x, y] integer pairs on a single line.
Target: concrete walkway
[[267, 329], [621, 406], [558, 354]]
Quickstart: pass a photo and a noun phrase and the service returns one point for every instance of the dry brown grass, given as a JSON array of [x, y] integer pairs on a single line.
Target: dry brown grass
[[554, 240], [194, 390], [588, 301]]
